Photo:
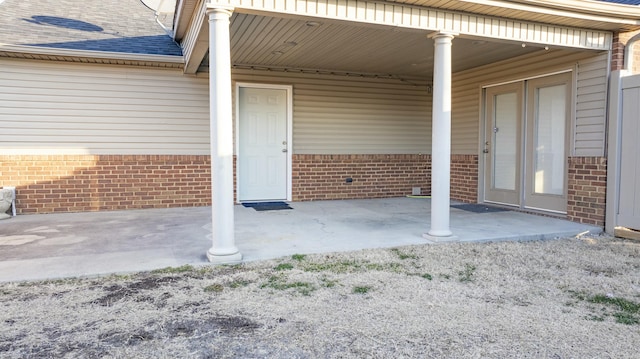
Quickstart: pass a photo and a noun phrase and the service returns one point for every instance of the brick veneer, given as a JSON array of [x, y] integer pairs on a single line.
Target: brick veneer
[[618, 51], [75, 183], [587, 190], [317, 177], [464, 178]]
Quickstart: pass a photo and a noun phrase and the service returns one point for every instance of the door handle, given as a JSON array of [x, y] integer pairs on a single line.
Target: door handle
[[284, 150]]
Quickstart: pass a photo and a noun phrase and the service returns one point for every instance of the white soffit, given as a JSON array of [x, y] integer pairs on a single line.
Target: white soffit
[[422, 18]]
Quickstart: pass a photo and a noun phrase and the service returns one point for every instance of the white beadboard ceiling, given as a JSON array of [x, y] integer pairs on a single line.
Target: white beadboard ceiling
[[290, 43]]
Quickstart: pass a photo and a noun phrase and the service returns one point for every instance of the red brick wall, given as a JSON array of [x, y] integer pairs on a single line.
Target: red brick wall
[[318, 177], [587, 190], [75, 183], [464, 178], [618, 49], [617, 52]]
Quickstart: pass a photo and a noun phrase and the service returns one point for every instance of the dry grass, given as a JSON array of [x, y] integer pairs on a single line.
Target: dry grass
[[569, 298]]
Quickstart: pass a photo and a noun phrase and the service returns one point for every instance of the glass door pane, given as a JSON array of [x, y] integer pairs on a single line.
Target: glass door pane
[[505, 136], [548, 117], [549, 140]]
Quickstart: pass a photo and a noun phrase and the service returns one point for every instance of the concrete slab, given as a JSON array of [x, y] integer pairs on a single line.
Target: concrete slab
[[87, 244]]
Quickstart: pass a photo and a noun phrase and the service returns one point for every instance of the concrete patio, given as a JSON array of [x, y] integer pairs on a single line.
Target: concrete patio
[[87, 244]]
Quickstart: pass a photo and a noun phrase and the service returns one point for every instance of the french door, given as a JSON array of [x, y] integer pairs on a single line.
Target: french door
[[526, 143]]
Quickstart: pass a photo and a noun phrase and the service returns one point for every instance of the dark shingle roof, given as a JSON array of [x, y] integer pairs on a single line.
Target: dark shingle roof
[[125, 26]]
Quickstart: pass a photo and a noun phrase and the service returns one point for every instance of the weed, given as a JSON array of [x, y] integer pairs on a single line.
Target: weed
[[232, 266], [623, 304], [427, 276], [393, 267], [171, 270], [120, 277], [335, 267], [352, 266], [214, 288], [50, 282], [595, 318], [361, 289], [626, 318], [279, 283], [298, 257], [327, 283], [578, 295], [239, 283], [466, 275], [283, 266], [625, 311], [402, 255], [445, 275]]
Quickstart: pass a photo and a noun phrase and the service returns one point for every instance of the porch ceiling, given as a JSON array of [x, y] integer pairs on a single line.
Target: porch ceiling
[[328, 45]]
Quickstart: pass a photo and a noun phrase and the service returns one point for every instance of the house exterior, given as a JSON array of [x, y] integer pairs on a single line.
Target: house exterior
[[107, 107]]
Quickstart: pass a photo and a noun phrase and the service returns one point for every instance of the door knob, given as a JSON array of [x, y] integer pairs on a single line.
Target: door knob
[[284, 150]]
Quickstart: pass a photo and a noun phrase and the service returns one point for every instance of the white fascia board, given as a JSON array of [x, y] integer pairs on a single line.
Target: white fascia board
[[627, 12], [107, 55], [423, 18]]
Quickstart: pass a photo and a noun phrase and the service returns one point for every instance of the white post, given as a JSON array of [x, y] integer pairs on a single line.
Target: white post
[[223, 249], [441, 140]]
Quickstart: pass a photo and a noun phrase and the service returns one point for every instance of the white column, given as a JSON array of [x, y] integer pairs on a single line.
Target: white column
[[223, 249], [441, 139]]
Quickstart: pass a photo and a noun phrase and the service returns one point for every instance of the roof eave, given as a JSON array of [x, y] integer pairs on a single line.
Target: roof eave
[[602, 15], [184, 12], [112, 57], [602, 8]]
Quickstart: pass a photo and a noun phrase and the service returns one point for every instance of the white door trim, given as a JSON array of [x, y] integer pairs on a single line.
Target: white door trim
[[289, 90]]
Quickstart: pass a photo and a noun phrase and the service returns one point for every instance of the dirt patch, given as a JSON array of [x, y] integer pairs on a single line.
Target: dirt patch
[[117, 292], [574, 297]]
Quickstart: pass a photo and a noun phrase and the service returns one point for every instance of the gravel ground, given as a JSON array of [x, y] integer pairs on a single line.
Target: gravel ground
[[565, 298]]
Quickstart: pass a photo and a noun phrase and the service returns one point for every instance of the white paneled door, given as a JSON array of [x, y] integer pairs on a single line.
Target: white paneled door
[[526, 143], [263, 144]]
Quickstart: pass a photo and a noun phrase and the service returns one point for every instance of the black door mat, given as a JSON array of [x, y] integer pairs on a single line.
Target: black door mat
[[479, 208], [267, 206]]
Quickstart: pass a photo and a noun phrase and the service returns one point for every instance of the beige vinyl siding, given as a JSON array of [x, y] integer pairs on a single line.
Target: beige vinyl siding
[[467, 87], [63, 108], [591, 104], [337, 114]]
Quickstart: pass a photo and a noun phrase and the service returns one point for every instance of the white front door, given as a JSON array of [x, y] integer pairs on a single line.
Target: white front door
[[262, 148]]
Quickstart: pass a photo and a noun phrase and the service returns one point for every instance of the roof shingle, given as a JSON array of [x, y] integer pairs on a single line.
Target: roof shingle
[[125, 26]]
